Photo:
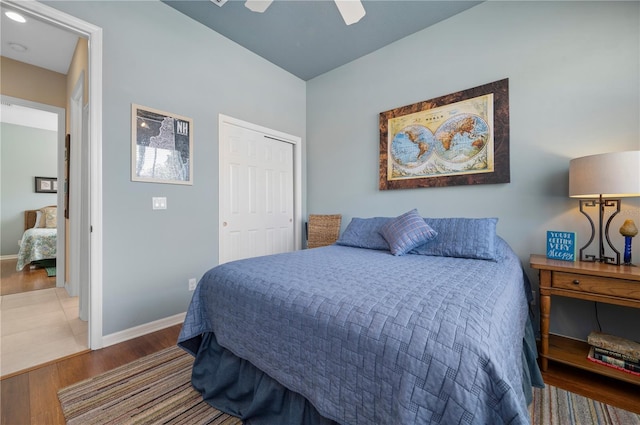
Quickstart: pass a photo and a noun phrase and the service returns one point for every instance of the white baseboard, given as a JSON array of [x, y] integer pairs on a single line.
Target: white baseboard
[[141, 330], [9, 257]]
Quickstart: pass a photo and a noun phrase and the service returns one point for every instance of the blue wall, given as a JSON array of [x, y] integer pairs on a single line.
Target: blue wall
[[573, 70], [27, 152], [156, 57]]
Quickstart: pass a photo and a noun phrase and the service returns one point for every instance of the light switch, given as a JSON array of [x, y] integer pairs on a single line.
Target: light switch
[[159, 203]]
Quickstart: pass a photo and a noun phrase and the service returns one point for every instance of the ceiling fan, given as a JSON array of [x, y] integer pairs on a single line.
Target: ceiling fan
[[351, 10]]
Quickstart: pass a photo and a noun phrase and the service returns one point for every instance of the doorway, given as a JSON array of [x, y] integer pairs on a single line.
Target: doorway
[[91, 209], [37, 310]]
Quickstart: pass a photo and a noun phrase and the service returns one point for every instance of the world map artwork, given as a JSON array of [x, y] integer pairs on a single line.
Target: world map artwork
[[449, 140]]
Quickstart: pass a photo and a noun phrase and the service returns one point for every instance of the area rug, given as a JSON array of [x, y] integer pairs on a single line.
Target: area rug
[[157, 389], [555, 406], [49, 264], [153, 389]]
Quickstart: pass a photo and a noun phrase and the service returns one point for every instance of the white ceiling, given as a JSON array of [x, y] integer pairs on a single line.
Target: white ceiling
[[47, 46], [28, 117]]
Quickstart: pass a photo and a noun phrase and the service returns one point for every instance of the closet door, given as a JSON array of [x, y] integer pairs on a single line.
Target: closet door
[[257, 211]]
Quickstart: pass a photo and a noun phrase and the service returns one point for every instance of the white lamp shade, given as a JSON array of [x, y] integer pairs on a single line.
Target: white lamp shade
[[612, 175]]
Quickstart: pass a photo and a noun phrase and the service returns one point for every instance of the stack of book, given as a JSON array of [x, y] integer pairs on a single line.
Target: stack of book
[[613, 351]]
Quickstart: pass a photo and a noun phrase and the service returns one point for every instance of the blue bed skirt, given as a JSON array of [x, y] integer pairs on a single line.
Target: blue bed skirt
[[235, 386]]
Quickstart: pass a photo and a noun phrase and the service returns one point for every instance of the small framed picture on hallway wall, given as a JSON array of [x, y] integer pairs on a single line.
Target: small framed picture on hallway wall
[[46, 185]]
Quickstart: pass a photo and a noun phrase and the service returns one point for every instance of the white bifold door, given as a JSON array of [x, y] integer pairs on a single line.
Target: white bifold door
[[257, 214]]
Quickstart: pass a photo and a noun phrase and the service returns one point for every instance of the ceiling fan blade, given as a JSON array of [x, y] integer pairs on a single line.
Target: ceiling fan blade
[[257, 5], [351, 10]]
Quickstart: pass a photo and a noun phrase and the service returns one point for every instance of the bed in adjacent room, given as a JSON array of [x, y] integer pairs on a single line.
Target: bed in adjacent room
[[39, 240], [394, 324]]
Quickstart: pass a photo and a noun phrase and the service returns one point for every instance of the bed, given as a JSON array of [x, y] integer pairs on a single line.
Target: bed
[[379, 328], [39, 239]]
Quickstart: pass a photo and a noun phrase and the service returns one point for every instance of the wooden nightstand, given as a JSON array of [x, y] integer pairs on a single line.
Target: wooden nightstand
[[599, 282]]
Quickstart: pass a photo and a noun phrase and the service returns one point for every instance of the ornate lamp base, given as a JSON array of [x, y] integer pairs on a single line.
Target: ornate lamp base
[[602, 203]]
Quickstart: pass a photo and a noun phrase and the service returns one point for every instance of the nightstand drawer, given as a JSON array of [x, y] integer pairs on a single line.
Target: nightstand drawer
[[596, 285]]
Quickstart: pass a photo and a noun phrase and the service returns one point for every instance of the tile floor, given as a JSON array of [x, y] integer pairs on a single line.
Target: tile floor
[[37, 327]]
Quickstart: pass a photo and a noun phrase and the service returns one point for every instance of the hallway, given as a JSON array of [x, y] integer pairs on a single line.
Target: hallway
[[38, 326]]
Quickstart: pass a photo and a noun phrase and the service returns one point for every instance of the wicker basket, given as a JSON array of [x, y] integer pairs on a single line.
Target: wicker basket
[[323, 230]]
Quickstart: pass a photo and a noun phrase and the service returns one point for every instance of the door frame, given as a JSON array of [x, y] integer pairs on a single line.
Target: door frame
[[296, 141], [94, 34], [75, 183]]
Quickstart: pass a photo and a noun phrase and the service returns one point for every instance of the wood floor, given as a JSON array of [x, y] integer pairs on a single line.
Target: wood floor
[[31, 397], [598, 387], [14, 282]]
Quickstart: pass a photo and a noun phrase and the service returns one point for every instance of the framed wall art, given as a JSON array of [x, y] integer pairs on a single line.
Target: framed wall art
[[161, 146], [46, 184], [458, 139]]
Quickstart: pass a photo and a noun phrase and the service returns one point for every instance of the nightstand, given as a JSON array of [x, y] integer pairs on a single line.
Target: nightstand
[[599, 282]]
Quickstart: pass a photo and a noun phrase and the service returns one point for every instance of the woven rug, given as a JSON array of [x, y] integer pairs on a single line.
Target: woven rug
[[555, 406], [157, 389], [153, 389]]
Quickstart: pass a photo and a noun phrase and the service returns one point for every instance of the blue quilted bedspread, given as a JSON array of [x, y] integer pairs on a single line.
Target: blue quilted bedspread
[[372, 338]]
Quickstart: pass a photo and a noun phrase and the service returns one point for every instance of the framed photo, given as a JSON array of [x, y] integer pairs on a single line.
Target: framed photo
[[161, 146], [46, 185], [458, 139]]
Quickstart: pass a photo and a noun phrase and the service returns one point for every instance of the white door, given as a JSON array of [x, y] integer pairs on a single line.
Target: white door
[[257, 214]]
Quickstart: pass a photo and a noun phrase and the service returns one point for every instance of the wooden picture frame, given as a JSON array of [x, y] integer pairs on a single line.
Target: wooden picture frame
[[161, 146], [458, 139], [46, 184]]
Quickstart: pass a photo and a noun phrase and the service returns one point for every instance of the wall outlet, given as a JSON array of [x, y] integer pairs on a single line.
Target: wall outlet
[[192, 284]]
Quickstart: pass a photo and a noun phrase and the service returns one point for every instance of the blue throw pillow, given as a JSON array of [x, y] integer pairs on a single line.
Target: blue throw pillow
[[406, 232], [461, 237], [365, 233]]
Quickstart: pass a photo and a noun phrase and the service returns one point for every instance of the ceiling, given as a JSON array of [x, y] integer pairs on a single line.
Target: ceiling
[[305, 37], [47, 46], [28, 117], [309, 37]]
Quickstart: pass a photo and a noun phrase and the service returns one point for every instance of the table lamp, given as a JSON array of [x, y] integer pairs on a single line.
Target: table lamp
[[599, 181]]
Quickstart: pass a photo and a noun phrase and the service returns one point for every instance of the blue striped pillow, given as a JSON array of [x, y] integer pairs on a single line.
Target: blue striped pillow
[[406, 232]]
